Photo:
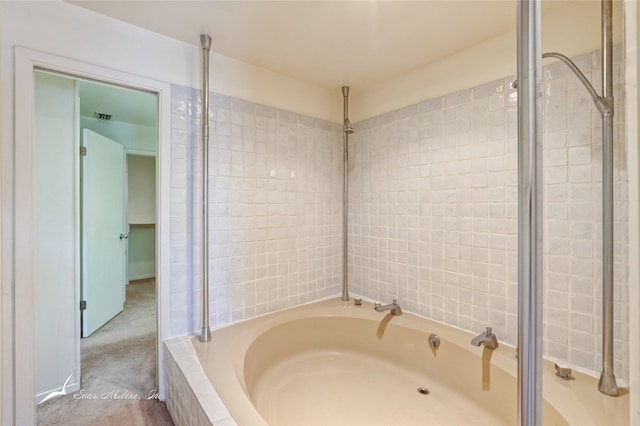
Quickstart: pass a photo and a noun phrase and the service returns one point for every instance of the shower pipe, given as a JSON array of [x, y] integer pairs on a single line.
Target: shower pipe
[[605, 105], [529, 213], [347, 130], [205, 332], [607, 383]]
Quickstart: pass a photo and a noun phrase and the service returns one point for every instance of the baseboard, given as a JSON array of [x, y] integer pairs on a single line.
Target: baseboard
[[71, 388], [141, 277]]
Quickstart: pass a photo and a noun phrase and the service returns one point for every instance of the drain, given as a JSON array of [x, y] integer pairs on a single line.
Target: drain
[[424, 391]]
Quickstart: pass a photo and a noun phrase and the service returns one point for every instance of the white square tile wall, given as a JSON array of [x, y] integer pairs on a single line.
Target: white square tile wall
[[274, 205], [433, 212]]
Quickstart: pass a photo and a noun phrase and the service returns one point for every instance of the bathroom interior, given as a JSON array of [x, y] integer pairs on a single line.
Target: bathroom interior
[[431, 177]]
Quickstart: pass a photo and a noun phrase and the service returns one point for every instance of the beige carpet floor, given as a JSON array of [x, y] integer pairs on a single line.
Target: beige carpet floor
[[118, 371]]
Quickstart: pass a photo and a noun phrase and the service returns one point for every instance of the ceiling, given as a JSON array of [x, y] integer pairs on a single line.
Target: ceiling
[[124, 105], [327, 43]]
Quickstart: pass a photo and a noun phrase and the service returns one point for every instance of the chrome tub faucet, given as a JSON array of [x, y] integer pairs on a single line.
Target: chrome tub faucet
[[393, 307], [488, 339]]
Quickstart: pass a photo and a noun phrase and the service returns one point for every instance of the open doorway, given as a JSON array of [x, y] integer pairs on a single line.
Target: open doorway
[[85, 134]]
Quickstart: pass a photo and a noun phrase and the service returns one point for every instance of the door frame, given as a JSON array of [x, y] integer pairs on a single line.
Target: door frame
[[26, 62]]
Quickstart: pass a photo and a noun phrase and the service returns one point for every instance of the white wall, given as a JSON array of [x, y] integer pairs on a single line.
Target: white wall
[[131, 136], [141, 184], [74, 32], [141, 258], [141, 216], [632, 41], [571, 30]]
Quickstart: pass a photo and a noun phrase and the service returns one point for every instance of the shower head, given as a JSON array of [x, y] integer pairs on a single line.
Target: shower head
[[348, 128]]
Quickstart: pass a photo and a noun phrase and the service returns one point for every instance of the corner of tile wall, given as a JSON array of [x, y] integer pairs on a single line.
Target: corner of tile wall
[[433, 212], [275, 203], [190, 397]]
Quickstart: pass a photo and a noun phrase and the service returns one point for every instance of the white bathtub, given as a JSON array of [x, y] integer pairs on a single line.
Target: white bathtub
[[334, 363]]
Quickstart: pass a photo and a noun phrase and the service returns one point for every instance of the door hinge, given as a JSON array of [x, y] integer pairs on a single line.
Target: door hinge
[[83, 151], [83, 305]]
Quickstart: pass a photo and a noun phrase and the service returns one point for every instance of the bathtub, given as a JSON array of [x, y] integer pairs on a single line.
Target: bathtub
[[334, 363]]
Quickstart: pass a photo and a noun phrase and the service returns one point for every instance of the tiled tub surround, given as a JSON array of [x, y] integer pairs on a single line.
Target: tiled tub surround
[[433, 213], [275, 210], [190, 396]]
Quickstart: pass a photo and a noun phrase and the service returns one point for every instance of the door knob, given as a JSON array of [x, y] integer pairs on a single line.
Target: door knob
[[124, 236]]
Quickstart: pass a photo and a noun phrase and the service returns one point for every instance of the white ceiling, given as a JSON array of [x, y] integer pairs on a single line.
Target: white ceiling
[[326, 43], [124, 105]]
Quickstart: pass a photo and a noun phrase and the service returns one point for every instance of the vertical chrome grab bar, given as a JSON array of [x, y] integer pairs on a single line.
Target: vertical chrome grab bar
[[346, 131], [605, 105], [529, 213], [607, 383], [205, 332]]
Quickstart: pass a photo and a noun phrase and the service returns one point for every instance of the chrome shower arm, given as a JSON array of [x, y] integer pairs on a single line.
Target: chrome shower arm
[[576, 71], [603, 104]]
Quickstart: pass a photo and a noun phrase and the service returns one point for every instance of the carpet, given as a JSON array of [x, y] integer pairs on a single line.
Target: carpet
[[118, 365]]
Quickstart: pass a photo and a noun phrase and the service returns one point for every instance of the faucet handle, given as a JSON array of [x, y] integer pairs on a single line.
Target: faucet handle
[[563, 373], [394, 302], [489, 331]]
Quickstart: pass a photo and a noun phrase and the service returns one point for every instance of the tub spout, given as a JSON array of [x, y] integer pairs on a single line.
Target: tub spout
[[393, 307], [488, 339]]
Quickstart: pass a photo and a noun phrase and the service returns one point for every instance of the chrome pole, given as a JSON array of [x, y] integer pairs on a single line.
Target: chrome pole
[[607, 384], [529, 213], [345, 193], [205, 333]]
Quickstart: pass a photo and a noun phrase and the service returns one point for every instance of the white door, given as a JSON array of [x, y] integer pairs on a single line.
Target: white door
[[103, 231], [57, 235]]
